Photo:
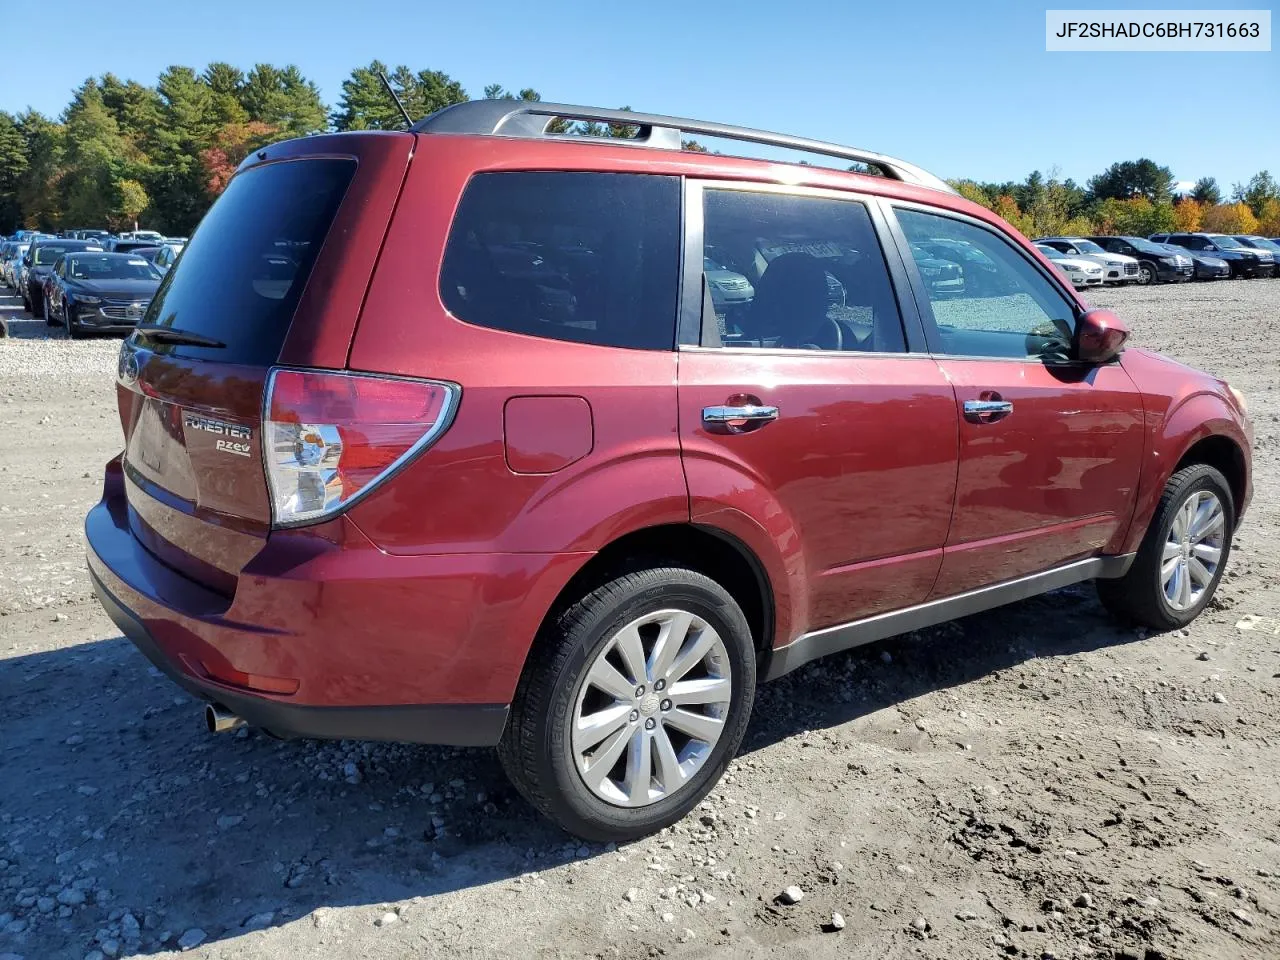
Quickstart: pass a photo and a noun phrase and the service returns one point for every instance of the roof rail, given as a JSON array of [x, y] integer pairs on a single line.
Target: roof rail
[[530, 118]]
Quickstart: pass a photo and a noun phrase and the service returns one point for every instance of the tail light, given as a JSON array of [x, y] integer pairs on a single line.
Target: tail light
[[330, 438]]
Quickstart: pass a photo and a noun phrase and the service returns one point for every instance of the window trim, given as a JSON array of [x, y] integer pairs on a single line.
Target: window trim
[[925, 306], [696, 330]]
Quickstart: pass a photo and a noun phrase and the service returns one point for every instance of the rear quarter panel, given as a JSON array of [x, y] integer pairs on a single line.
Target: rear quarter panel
[[462, 495]]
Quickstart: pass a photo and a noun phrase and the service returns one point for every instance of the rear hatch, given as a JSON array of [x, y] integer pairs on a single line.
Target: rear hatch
[[275, 273]]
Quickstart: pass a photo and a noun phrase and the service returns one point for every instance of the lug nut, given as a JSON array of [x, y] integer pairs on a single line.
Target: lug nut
[[666, 704], [650, 723], [635, 715], [659, 684], [640, 690]]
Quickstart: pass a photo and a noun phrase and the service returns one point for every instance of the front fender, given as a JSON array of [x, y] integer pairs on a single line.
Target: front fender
[[1173, 432]]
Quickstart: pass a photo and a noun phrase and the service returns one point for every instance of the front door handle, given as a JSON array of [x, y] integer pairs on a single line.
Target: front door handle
[[987, 411]]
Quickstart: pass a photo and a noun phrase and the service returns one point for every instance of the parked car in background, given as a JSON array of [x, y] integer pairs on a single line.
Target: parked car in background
[[11, 255], [1081, 272], [1244, 261], [1156, 263], [726, 286], [166, 255], [130, 245], [1262, 243], [1205, 266], [99, 292], [1117, 267], [153, 236], [37, 265]]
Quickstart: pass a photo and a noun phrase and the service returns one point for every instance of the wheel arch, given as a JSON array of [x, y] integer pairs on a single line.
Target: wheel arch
[[1224, 455], [1201, 429], [708, 550]]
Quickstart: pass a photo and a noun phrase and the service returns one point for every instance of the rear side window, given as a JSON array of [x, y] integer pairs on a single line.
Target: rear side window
[[587, 257], [245, 268]]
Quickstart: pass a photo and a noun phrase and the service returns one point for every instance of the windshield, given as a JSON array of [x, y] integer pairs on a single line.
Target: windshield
[[1050, 252], [1146, 246], [1229, 243], [1088, 246], [1263, 243], [46, 254], [107, 267]]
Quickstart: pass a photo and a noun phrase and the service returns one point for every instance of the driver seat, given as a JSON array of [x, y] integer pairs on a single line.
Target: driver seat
[[790, 306]]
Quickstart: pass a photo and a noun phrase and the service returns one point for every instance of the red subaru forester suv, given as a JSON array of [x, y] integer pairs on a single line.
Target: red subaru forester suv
[[484, 434]]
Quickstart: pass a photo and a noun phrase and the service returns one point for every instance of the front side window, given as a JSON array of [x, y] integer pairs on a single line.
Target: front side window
[[999, 306], [796, 272], [586, 257]]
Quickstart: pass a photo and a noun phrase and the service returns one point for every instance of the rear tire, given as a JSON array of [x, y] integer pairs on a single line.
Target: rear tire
[[656, 773], [1175, 573], [49, 320]]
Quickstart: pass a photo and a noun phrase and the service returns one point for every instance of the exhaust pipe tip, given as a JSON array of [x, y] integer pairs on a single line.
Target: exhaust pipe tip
[[218, 719]]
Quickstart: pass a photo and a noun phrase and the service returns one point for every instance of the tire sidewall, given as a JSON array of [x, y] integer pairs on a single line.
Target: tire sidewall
[[1213, 482], [580, 809]]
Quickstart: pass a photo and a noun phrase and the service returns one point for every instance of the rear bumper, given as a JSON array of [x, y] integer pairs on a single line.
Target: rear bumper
[[328, 636], [468, 725]]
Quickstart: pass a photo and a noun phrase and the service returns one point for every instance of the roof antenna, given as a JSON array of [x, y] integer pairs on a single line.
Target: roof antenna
[[408, 120]]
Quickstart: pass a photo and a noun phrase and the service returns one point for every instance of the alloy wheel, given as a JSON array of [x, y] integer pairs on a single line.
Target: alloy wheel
[[651, 708], [1193, 550]]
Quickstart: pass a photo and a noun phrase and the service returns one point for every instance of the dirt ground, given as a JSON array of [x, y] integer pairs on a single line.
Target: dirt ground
[[1032, 782]]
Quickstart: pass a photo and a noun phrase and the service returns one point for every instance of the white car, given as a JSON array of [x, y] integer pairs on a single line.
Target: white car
[[726, 286], [1081, 272], [1117, 267]]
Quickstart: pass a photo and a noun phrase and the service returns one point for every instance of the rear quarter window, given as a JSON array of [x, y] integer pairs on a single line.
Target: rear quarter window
[[586, 257], [241, 276]]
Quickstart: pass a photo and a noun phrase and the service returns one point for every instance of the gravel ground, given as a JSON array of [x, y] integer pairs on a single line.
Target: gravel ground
[[1031, 782]]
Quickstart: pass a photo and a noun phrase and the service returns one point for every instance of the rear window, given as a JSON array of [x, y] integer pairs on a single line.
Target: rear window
[[240, 277], [587, 257]]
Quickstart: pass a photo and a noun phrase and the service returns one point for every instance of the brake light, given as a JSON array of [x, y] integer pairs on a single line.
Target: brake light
[[330, 438]]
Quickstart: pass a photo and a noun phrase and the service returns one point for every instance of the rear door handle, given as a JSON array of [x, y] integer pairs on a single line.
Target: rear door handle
[[730, 414], [738, 418], [986, 411]]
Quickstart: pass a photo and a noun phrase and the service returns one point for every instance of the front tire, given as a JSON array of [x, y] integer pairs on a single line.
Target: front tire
[[49, 321], [1183, 555], [633, 702], [69, 321], [1147, 274]]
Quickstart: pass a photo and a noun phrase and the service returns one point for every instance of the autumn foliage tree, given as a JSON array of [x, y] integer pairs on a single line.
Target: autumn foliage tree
[[1187, 215], [1229, 218]]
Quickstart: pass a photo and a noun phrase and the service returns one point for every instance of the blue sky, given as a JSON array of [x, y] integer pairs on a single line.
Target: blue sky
[[962, 89]]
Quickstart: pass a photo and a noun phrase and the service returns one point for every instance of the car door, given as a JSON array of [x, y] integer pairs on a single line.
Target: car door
[[1050, 448], [813, 423]]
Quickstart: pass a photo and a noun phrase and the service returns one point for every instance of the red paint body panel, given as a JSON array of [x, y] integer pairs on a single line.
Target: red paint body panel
[[546, 434], [853, 482], [323, 606], [1183, 406], [1047, 484]]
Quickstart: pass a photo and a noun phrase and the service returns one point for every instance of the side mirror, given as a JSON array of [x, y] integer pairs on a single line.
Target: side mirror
[[1100, 336]]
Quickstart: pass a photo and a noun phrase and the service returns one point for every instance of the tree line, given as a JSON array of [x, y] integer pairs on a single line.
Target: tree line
[[1134, 198], [124, 153]]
